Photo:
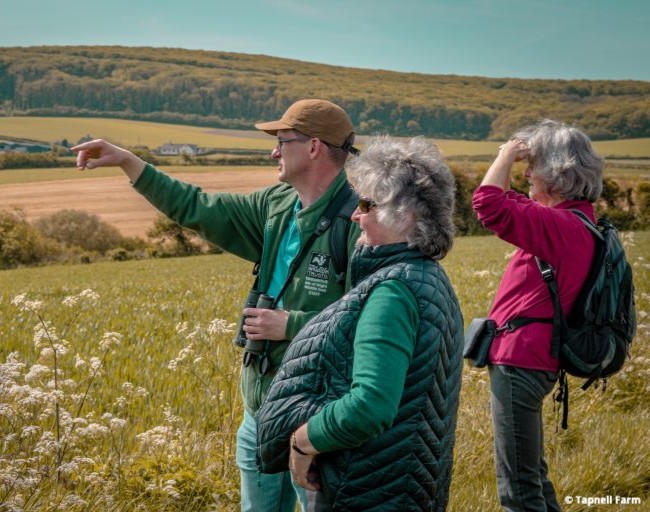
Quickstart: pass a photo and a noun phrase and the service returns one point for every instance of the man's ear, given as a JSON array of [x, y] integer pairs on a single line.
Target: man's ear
[[315, 147]]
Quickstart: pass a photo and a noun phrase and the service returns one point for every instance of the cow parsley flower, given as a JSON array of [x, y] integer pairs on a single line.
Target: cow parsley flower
[[37, 372], [110, 340]]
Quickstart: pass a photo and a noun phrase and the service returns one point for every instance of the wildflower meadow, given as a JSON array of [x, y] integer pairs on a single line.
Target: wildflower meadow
[[119, 390]]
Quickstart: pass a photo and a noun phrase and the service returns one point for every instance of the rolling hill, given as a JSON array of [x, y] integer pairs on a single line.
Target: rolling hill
[[231, 90]]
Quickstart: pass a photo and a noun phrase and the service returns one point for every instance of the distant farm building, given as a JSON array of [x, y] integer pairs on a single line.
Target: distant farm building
[[23, 147], [178, 149]]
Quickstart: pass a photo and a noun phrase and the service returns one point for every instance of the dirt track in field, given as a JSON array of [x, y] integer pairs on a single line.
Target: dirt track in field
[[113, 199]]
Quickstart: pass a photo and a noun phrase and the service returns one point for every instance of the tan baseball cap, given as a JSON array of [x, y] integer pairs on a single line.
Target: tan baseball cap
[[317, 118]]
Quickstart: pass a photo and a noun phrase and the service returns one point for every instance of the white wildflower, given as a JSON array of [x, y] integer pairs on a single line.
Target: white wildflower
[[89, 296], [47, 444], [182, 356], [156, 437], [67, 468], [29, 397], [70, 501], [169, 417], [482, 273], [12, 369], [96, 479], [24, 304], [170, 489], [79, 422], [46, 353], [37, 372], [85, 461], [68, 383], [6, 411], [19, 300], [95, 365], [70, 301], [79, 362], [117, 424], [44, 333], [61, 348], [93, 431], [109, 340], [29, 431], [197, 330]]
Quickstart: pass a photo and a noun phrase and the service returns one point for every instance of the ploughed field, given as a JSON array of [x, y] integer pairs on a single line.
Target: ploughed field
[[113, 199]]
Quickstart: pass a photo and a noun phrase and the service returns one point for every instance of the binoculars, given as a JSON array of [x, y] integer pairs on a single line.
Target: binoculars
[[255, 299]]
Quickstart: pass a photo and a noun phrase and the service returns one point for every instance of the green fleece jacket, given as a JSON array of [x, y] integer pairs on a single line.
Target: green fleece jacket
[[251, 226]]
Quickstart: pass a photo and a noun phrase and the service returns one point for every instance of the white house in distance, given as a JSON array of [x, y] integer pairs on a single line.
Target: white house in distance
[[178, 149], [23, 147]]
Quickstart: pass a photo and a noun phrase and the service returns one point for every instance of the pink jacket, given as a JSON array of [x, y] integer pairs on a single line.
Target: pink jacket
[[555, 235]]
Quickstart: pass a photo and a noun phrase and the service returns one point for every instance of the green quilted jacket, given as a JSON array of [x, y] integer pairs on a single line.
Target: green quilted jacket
[[408, 466]]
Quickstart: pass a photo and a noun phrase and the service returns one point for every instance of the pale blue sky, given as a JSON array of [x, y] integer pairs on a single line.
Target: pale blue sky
[[592, 39]]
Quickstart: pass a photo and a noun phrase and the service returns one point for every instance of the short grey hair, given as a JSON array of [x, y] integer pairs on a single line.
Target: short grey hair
[[408, 177], [563, 157]]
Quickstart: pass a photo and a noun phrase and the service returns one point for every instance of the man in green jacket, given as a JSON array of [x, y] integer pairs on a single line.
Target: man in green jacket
[[269, 226]]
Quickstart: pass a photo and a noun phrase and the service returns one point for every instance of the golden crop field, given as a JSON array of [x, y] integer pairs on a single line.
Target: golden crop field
[[129, 133], [133, 133], [148, 401]]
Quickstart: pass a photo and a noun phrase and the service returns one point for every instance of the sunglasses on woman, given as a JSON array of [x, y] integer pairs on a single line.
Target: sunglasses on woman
[[365, 204]]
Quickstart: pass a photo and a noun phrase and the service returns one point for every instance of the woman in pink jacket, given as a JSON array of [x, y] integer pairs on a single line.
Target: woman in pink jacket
[[563, 173]]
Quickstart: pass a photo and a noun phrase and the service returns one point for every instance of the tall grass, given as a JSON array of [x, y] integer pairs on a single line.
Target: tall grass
[[164, 407]]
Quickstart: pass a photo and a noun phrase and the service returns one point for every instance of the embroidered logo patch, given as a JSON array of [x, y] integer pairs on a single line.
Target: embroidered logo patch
[[317, 273], [319, 265]]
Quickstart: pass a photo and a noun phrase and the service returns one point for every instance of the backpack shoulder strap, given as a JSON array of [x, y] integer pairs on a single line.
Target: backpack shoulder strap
[[559, 322], [588, 222], [339, 233]]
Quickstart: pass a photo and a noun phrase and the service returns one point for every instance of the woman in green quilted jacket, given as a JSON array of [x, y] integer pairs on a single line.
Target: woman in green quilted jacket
[[363, 409]]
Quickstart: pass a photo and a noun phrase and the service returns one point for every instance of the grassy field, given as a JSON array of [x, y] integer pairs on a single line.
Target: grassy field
[[176, 449], [132, 133]]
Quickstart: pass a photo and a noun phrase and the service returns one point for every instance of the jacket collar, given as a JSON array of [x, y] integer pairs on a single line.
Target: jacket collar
[[366, 259]]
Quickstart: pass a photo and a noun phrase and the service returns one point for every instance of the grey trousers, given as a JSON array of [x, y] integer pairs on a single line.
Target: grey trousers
[[517, 396]]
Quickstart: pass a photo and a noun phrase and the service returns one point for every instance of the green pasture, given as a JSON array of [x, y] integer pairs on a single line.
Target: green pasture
[[141, 133], [603, 453]]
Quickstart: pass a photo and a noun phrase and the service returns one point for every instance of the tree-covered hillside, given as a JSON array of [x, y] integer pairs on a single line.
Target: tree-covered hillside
[[235, 90]]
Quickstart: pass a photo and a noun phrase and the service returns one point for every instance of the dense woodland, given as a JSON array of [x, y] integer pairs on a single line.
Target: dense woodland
[[233, 90]]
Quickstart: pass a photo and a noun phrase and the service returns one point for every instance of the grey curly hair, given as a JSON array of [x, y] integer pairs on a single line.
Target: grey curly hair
[[563, 157], [408, 177]]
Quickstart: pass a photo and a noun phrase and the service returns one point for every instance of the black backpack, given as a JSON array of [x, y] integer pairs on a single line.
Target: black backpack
[[593, 342]]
